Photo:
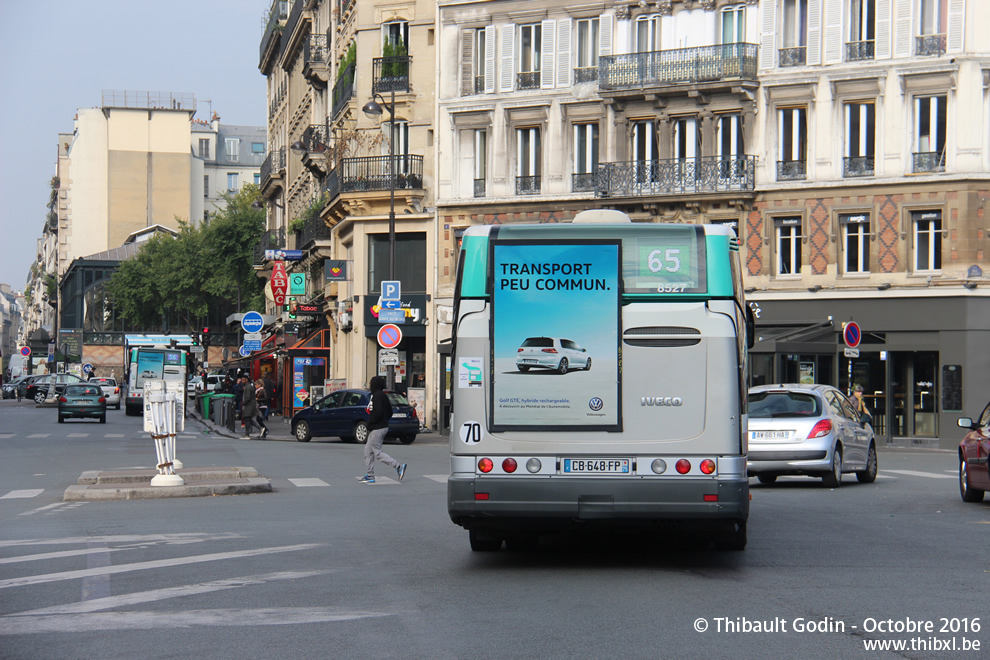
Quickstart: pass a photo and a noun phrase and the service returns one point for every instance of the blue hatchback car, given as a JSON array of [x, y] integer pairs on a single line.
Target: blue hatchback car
[[344, 414]]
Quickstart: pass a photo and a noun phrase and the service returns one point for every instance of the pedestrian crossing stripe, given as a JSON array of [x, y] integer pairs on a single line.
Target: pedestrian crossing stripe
[[308, 482], [22, 494], [79, 435], [927, 475]]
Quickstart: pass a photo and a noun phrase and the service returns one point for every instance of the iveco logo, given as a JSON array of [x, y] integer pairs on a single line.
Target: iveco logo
[[661, 401], [596, 404]]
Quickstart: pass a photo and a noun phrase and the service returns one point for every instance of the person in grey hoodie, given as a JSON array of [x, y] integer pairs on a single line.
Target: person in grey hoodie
[[379, 412]]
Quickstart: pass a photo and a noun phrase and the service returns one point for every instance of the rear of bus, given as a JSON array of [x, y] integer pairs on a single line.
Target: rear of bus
[[652, 432]]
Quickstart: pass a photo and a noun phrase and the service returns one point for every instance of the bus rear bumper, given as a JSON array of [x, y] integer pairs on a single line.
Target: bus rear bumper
[[514, 503]]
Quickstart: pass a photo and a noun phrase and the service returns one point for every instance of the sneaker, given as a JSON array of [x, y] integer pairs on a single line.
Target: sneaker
[[367, 479], [401, 470], [264, 434], [245, 437]]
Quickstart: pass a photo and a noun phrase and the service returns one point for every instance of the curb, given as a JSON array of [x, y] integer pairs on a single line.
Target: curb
[[143, 477], [147, 491]]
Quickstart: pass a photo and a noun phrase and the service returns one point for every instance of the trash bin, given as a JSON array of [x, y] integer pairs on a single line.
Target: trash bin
[[224, 409], [204, 404]]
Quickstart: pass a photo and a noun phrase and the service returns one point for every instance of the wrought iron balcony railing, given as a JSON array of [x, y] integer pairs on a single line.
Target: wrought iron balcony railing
[[583, 182], [314, 229], [274, 165], [929, 161], [586, 74], [528, 185], [479, 187], [859, 50], [930, 44], [528, 80], [316, 138], [295, 13], [272, 239], [676, 176], [279, 12], [317, 49], [391, 74], [681, 65], [374, 173], [343, 90], [793, 56], [479, 84], [857, 166], [791, 170]]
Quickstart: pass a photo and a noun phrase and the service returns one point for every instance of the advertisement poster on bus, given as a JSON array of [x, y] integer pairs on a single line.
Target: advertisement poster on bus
[[555, 335]]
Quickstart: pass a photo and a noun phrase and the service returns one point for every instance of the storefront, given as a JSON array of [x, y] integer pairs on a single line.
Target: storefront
[[922, 361], [411, 372]]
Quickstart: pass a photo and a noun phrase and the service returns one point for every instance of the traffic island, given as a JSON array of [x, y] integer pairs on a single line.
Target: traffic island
[[136, 484]]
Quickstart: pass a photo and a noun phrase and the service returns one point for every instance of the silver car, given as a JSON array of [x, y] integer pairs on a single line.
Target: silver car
[[111, 390], [811, 430], [561, 355]]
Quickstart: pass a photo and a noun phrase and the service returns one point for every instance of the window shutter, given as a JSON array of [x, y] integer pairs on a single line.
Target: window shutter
[[564, 68], [814, 41], [833, 31], [547, 57], [490, 59], [957, 15], [508, 58], [467, 62], [902, 29], [768, 35], [605, 35], [882, 34]]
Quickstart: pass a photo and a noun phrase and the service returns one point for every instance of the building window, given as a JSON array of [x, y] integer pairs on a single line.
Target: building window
[[860, 132], [395, 33], [934, 18], [232, 144], [410, 261], [257, 178], [232, 181], [648, 33], [586, 64], [530, 47], [204, 148], [731, 152], [795, 30], [856, 243], [792, 138], [585, 157], [929, 149], [257, 147], [478, 66], [480, 161], [862, 17], [528, 157], [788, 242], [646, 151], [206, 185], [733, 25], [927, 240], [398, 133]]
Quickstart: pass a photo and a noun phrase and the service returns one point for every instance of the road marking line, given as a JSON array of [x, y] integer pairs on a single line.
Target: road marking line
[[56, 555], [439, 478], [23, 494], [179, 538], [105, 621], [79, 435], [928, 475], [95, 587], [6, 436], [155, 595], [114, 435], [39, 435], [308, 482], [146, 565], [34, 511]]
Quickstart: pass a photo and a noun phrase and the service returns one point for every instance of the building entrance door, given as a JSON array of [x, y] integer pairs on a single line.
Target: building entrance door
[[914, 383]]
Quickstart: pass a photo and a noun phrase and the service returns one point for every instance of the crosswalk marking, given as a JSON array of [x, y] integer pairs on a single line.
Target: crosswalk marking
[[22, 494], [308, 482], [439, 478], [6, 436], [927, 475], [39, 435], [79, 435], [40, 509], [114, 435]]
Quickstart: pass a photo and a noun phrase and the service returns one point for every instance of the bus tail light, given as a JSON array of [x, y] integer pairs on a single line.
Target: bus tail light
[[481, 496], [509, 465], [683, 466], [485, 465], [659, 466], [710, 498], [534, 465], [822, 428], [708, 466]]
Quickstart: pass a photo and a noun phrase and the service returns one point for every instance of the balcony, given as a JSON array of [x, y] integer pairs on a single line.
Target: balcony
[[271, 41], [295, 15], [705, 66], [479, 188], [676, 176], [316, 142], [272, 171], [793, 56], [528, 185], [391, 74], [314, 229], [792, 170], [528, 80], [586, 74], [343, 91], [479, 84], [271, 239], [315, 67], [583, 182], [857, 166], [929, 44], [929, 161], [859, 50], [373, 173]]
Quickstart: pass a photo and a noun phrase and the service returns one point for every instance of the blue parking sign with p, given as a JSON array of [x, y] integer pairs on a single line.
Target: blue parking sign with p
[[391, 290]]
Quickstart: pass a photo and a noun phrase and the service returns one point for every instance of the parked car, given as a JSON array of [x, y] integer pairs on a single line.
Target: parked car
[[194, 385], [811, 430], [974, 476], [214, 382], [10, 387], [38, 390], [111, 390], [82, 400], [23, 382], [551, 353], [344, 414]]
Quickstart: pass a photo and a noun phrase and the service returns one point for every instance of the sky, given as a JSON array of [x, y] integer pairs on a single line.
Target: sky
[[59, 55]]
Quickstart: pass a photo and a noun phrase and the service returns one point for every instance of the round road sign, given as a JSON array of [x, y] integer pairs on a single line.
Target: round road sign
[[87, 368], [25, 351], [851, 334], [389, 336], [252, 322], [244, 352]]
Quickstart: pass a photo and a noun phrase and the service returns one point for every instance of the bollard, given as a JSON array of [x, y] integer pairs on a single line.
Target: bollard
[[161, 407]]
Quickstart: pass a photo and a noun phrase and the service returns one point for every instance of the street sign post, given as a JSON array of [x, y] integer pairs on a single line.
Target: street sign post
[[26, 351], [243, 351], [851, 334], [388, 356], [391, 290], [391, 316], [389, 336], [252, 322]]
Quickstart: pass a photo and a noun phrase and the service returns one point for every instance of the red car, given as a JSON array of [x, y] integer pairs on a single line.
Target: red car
[[974, 479]]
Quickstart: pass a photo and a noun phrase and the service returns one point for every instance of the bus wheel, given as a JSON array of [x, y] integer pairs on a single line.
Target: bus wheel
[[484, 541], [562, 367], [734, 541]]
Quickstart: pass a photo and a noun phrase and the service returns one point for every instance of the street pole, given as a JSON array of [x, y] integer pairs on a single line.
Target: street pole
[[391, 211]]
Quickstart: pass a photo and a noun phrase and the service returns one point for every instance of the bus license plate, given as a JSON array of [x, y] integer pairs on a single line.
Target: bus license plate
[[596, 466]]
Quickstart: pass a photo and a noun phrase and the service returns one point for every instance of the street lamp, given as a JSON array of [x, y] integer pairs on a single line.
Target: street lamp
[[373, 109]]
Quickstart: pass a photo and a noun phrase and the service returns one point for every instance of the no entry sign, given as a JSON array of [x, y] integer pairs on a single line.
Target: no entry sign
[[389, 336]]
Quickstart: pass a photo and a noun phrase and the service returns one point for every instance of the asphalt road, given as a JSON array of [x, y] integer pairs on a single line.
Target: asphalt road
[[328, 567]]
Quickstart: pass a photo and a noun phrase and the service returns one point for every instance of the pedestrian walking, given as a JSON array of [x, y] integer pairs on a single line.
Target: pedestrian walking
[[249, 406], [262, 397], [379, 411], [270, 393]]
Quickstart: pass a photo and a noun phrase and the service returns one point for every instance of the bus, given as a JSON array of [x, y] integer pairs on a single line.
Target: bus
[[152, 363], [599, 378]]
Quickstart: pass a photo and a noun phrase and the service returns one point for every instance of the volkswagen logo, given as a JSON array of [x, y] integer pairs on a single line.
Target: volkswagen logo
[[596, 404]]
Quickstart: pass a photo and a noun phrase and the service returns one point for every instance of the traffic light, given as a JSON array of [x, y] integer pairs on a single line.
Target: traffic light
[[206, 337], [292, 307]]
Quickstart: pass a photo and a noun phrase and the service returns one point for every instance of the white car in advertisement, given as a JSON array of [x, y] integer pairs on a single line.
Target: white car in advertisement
[[560, 355]]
